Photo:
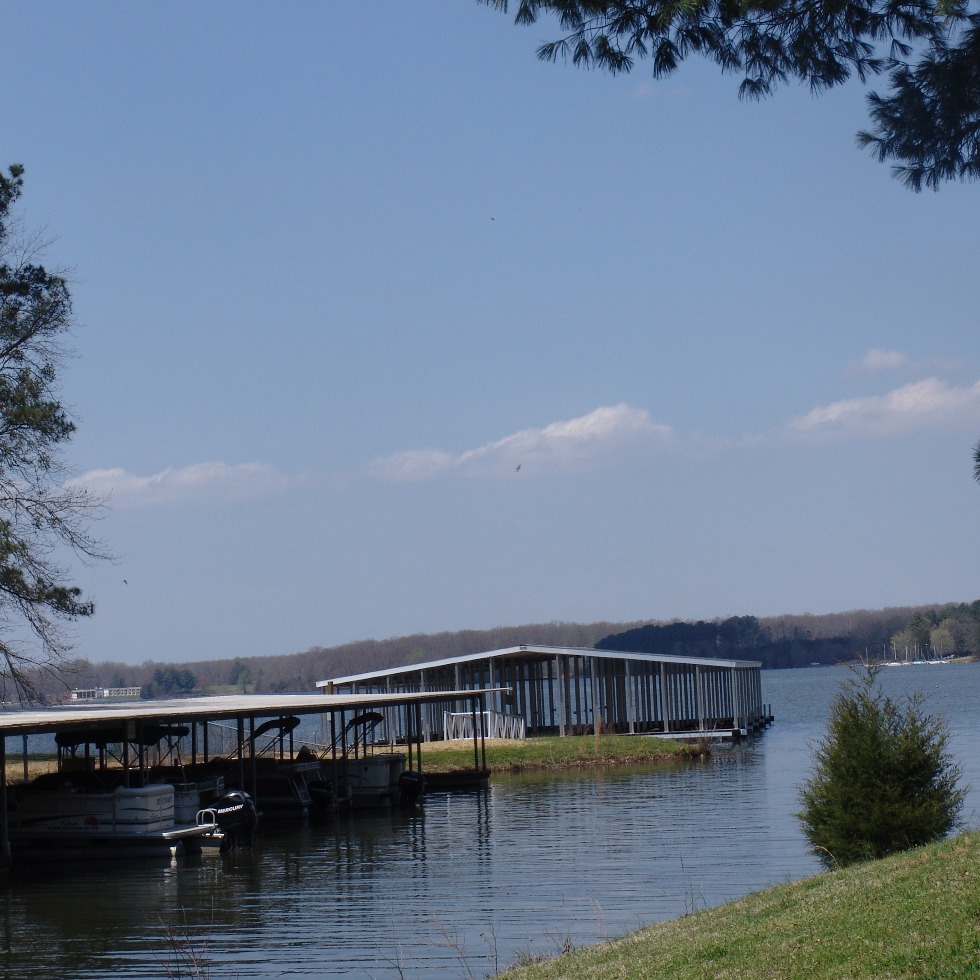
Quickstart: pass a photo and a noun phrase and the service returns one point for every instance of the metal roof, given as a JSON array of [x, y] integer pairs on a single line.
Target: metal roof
[[88, 714], [544, 652]]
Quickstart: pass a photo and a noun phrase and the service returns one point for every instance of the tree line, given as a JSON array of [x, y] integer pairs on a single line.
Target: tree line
[[946, 631], [793, 640], [799, 641], [736, 638], [299, 672]]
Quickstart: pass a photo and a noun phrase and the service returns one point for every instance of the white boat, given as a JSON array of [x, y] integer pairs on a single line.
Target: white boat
[[64, 815], [369, 781], [364, 776]]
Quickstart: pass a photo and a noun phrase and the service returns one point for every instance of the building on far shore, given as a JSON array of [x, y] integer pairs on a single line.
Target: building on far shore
[[567, 691], [94, 693]]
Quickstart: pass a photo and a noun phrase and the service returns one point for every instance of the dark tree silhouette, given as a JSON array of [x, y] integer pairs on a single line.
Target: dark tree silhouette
[[41, 514]]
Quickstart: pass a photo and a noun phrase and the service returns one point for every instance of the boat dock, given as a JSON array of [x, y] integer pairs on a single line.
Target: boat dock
[[188, 774], [566, 691], [130, 749]]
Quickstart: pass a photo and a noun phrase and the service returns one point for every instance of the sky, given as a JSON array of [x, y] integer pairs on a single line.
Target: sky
[[384, 326]]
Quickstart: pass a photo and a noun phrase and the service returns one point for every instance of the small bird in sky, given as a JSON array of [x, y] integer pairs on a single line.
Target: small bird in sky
[[125, 582], [518, 470]]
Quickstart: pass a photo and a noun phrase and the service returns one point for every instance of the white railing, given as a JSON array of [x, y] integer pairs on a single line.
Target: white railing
[[492, 724]]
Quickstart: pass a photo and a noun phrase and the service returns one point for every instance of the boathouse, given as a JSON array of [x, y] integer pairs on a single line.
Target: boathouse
[[135, 741], [543, 690]]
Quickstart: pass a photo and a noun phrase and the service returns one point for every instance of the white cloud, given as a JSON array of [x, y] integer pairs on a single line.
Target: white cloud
[[913, 406], [577, 441], [413, 464], [202, 481], [881, 360], [586, 441]]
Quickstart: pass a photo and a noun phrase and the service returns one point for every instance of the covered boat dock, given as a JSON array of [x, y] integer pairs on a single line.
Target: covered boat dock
[[568, 691], [131, 731]]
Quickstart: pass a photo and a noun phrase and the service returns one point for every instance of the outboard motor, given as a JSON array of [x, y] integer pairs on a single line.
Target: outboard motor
[[236, 818], [411, 786]]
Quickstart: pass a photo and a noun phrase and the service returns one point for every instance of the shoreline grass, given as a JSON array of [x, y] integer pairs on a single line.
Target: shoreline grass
[[503, 755], [37, 765], [912, 915], [555, 753]]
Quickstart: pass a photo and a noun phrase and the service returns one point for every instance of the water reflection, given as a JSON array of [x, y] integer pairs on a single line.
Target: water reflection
[[463, 886]]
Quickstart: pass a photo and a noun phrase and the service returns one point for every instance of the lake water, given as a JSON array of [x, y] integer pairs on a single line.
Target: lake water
[[463, 887]]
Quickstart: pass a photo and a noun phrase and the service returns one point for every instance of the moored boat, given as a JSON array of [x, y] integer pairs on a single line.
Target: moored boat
[[364, 776], [74, 814], [233, 810]]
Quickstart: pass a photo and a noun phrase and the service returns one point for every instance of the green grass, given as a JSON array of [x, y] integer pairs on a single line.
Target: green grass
[[914, 915], [37, 764], [504, 755]]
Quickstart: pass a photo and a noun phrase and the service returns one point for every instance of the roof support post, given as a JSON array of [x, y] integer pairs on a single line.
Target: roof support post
[[343, 739], [410, 739], [425, 733], [391, 715], [241, 751], [251, 756], [141, 750], [334, 768], [734, 700], [4, 816], [127, 735], [477, 727], [482, 707], [628, 693], [699, 695], [560, 671]]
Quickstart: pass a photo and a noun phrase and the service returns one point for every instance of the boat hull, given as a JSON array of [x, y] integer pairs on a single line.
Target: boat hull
[[63, 821]]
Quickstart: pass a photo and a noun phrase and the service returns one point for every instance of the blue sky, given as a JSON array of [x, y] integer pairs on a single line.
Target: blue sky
[[336, 278]]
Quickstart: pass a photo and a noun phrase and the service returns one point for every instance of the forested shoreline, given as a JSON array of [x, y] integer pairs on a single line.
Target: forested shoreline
[[791, 640]]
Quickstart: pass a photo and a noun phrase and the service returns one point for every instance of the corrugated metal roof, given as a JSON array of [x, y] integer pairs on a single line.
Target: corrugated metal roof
[[532, 650], [88, 714]]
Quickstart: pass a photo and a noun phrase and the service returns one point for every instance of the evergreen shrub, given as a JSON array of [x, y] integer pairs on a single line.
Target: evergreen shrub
[[883, 779]]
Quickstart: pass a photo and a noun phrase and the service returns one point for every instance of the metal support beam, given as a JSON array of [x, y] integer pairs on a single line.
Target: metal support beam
[[4, 816], [699, 694], [560, 670], [628, 696]]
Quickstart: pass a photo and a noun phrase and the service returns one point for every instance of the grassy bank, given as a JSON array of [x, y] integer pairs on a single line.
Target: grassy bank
[[37, 765], [913, 915], [505, 755]]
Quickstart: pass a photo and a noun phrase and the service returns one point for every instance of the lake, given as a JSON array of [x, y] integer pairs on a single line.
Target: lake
[[472, 881]]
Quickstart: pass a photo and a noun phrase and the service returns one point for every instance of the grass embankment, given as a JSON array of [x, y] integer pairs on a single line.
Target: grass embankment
[[37, 765], [916, 914], [580, 751], [503, 755]]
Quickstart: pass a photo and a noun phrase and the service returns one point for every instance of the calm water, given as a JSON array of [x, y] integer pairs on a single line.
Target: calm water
[[462, 888]]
